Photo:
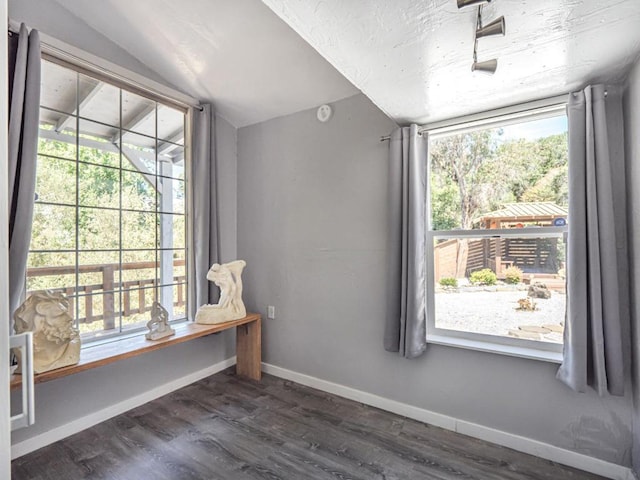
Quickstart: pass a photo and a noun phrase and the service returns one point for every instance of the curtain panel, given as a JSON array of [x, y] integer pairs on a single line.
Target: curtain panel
[[597, 315], [405, 329], [204, 209], [24, 111]]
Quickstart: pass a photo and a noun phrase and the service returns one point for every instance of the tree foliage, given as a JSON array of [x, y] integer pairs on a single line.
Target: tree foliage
[[478, 172], [99, 189]]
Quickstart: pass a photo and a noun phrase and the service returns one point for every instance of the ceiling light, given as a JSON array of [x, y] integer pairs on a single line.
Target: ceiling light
[[489, 66], [497, 27], [469, 3]]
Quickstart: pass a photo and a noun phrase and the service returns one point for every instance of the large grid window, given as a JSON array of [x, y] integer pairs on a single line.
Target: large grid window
[[109, 222], [498, 220]]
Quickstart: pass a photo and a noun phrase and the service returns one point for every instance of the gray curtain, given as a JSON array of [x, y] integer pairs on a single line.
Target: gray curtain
[[405, 329], [24, 109], [597, 285], [204, 212]]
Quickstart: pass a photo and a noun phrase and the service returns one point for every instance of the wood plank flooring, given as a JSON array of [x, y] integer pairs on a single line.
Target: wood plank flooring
[[224, 427]]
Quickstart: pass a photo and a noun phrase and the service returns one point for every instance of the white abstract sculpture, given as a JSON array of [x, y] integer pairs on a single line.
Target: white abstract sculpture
[[228, 277], [56, 341], [159, 324]]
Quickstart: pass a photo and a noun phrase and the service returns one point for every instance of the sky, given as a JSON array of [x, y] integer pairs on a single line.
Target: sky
[[535, 129]]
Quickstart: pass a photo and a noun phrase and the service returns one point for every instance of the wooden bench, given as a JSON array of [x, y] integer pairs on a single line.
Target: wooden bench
[[248, 349]]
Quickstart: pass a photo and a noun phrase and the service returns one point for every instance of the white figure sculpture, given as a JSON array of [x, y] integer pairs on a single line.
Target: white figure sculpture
[[159, 324], [228, 277], [56, 341]]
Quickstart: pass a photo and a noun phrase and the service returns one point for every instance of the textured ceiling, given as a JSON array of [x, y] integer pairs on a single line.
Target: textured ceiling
[[412, 57], [237, 54]]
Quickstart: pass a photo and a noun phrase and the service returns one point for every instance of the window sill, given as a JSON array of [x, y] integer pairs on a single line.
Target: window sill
[[510, 350], [95, 356]]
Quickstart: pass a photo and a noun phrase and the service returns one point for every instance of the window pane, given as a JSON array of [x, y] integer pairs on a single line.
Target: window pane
[[179, 301], [98, 271], [145, 268], [53, 227], [138, 191], [172, 230], [99, 101], [51, 142], [139, 230], [136, 304], [98, 315], [170, 125], [509, 286], [138, 114], [56, 181], [49, 271], [506, 177], [99, 229], [172, 164], [99, 186], [58, 87], [138, 153], [96, 146], [174, 201]]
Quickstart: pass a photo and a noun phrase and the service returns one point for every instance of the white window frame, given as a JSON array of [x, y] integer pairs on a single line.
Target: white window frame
[[518, 347]]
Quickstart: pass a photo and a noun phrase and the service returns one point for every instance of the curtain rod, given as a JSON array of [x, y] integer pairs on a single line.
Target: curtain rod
[[488, 116], [505, 111]]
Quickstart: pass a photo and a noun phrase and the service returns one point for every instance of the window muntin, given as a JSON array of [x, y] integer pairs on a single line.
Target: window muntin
[[498, 200], [110, 216]]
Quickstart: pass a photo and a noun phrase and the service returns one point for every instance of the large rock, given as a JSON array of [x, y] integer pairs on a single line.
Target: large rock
[[539, 290]]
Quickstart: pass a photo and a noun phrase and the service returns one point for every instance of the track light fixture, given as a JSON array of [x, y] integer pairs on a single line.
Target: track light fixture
[[469, 3], [497, 27], [489, 66]]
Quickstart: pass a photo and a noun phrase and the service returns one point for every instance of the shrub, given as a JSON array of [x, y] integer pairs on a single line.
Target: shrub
[[449, 282], [483, 277], [527, 305], [512, 275]]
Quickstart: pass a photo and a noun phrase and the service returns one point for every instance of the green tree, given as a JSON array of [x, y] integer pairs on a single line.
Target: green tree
[[462, 160]]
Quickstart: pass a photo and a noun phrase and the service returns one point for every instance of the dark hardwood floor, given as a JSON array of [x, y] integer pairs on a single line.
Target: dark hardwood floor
[[224, 427]]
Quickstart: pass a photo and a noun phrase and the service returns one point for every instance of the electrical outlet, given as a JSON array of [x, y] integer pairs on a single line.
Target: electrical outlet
[[271, 312]]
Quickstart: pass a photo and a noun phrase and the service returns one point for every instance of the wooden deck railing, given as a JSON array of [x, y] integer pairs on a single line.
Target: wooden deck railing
[[134, 292]]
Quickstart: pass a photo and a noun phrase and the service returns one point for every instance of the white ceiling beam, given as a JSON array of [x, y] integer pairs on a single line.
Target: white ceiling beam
[[134, 156], [171, 142], [137, 119], [63, 122]]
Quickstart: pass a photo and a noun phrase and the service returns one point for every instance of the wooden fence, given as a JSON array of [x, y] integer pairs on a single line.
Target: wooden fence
[[531, 255], [134, 292]]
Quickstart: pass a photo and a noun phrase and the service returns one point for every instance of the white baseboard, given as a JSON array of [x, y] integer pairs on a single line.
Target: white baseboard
[[63, 431], [515, 442]]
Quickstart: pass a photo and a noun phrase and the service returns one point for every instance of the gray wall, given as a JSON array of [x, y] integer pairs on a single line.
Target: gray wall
[[312, 221], [632, 138], [61, 401]]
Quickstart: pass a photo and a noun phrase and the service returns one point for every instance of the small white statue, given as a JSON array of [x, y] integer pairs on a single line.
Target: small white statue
[[56, 341], [159, 324], [228, 277]]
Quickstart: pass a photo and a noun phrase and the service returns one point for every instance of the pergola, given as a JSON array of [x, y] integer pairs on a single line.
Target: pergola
[[514, 215]]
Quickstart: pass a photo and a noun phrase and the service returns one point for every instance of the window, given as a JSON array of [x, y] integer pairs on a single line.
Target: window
[[498, 220], [110, 214]]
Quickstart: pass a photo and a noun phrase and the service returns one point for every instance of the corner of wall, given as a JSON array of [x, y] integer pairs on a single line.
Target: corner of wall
[[632, 165]]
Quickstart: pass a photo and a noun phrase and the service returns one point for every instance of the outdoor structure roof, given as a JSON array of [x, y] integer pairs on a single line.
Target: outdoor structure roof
[[529, 210]]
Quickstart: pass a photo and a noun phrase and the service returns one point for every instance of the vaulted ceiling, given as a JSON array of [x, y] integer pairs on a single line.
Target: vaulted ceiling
[[410, 57], [237, 53]]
